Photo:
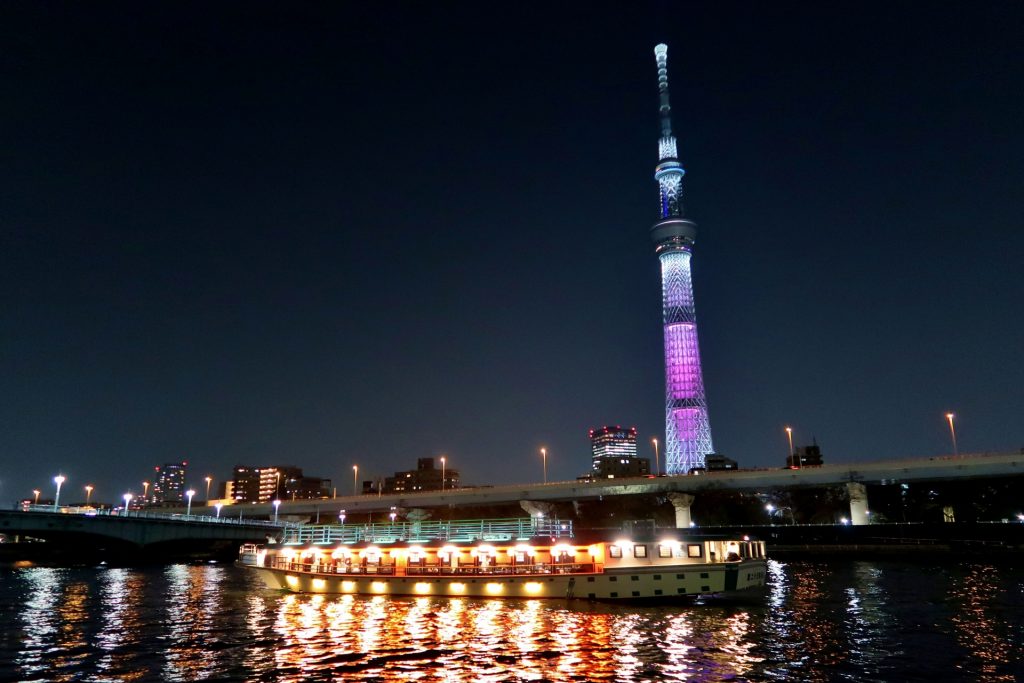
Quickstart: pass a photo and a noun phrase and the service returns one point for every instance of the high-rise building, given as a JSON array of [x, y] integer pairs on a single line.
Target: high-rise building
[[245, 487], [169, 484], [613, 442], [281, 482], [687, 429], [613, 454]]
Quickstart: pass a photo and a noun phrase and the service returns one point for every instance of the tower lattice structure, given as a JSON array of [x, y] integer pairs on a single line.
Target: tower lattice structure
[[687, 429]]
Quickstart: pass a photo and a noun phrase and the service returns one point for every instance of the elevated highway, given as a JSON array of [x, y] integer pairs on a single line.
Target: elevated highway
[[677, 488]]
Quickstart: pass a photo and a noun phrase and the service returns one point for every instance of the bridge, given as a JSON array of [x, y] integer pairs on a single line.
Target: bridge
[[680, 489], [99, 534]]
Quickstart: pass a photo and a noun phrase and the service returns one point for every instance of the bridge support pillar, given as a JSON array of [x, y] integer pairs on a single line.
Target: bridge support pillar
[[858, 503], [681, 502], [538, 510]]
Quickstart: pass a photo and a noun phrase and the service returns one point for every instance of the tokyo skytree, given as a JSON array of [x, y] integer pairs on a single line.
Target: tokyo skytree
[[687, 430]]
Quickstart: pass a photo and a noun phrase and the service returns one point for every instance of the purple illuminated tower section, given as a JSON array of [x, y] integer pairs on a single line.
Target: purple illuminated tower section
[[687, 430]]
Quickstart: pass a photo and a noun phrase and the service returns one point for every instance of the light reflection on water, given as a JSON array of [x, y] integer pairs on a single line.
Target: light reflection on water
[[817, 621]]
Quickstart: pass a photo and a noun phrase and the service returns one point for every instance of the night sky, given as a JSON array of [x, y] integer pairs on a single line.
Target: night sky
[[329, 234]]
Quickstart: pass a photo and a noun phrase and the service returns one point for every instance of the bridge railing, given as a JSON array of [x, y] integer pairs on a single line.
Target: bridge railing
[[150, 514]]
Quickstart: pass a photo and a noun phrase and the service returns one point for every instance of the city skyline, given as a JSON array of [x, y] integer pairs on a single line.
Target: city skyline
[[333, 236]]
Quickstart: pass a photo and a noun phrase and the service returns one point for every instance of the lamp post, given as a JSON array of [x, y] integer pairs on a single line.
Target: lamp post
[[145, 492], [544, 456], [88, 494], [341, 517], [208, 481], [277, 506], [952, 432], [393, 515], [217, 507], [59, 479], [188, 510], [657, 462], [127, 499], [789, 435], [36, 492], [770, 508], [442, 472], [355, 480]]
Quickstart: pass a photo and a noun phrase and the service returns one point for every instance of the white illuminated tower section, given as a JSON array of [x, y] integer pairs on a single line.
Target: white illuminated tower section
[[687, 430]]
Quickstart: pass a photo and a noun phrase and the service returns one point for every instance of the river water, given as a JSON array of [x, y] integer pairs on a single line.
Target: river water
[[817, 621]]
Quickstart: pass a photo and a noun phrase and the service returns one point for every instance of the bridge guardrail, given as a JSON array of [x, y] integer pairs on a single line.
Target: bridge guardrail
[[171, 516]]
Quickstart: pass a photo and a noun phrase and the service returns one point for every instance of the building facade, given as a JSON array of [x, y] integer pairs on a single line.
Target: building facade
[[805, 456], [427, 476], [279, 482], [169, 483], [613, 454]]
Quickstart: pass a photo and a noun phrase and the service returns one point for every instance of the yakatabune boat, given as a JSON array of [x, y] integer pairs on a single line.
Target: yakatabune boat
[[340, 559]]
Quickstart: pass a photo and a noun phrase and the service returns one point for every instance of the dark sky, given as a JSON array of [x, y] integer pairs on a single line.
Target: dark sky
[[338, 233]]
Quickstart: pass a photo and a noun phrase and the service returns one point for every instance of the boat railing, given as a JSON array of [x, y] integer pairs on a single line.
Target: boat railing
[[505, 569], [313, 568], [436, 570], [453, 530]]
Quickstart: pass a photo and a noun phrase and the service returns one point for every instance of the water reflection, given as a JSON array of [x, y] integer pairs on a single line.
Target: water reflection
[[981, 626], [817, 621], [38, 619], [192, 604], [120, 593]]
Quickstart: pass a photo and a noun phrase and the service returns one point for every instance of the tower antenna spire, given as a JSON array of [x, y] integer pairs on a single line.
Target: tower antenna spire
[[664, 108]]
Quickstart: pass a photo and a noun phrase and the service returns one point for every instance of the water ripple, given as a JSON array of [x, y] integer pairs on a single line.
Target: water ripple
[[818, 621]]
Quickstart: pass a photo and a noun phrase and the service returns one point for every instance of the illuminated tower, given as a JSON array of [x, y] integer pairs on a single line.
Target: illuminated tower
[[687, 431]]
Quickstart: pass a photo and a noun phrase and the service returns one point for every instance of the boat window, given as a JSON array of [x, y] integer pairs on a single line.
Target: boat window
[[693, 550], [614, 551], [664, 551], [639, 550]]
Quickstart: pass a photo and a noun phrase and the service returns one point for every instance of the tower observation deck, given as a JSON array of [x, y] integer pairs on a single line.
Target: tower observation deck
[[687, 429]]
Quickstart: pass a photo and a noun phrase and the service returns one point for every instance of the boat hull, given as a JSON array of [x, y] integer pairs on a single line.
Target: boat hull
[[690, 580]]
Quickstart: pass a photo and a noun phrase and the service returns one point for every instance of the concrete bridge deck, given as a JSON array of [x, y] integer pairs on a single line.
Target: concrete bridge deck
[[142, 530], [939, 468]]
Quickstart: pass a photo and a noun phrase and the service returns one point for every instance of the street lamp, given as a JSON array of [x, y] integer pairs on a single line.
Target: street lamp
[[657, 462], [952, 432], [393, 515], [208, 480], [188, 510], [277, 506], [770, 508], [341, 517], [36, 492], [127, 499], [145, 492], [88, 494], [355, 480], [218, 506], [789, 435], [442, 472], [59, 479], [544, 455]]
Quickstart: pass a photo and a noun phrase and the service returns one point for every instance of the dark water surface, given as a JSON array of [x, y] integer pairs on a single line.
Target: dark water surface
[[818, 621]]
